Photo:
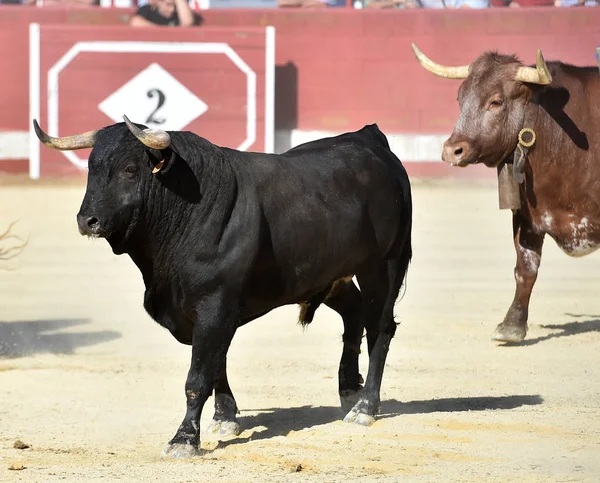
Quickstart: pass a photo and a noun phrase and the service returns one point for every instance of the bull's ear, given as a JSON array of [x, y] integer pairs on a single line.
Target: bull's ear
[[162, 160]]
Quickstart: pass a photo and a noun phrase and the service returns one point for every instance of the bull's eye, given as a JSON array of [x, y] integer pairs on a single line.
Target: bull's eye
[[130, 169]]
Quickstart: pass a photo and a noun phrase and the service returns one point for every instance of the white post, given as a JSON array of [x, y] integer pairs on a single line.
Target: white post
[[34, 99], [270, 91]]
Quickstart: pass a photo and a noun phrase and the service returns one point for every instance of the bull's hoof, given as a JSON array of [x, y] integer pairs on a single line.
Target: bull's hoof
[[348, 399], [509, 333], [224, 428], [360, 418], [180, 450]]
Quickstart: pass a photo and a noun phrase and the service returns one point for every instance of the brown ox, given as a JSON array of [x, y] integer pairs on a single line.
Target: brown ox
[[539, 127]]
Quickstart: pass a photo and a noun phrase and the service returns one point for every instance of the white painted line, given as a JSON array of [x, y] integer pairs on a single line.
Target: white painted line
[[408, 147]]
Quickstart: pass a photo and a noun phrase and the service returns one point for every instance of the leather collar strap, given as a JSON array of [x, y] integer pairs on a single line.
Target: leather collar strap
[[510, 177], [527, 139]]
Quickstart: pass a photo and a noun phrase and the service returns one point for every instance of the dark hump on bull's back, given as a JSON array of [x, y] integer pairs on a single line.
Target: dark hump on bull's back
[[369, 135], [190, 141], [375, 135]]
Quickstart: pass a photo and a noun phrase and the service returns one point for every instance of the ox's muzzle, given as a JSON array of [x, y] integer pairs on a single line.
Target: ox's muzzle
[[457, 153]]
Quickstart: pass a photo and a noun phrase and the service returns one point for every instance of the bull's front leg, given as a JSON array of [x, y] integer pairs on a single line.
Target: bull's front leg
[[213, 332], [528, 245]]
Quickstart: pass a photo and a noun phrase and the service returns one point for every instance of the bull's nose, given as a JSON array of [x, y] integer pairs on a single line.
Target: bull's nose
[[454, 153], [88, 225]]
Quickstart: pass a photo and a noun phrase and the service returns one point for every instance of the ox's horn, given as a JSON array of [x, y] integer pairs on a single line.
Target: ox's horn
[[78, 141], [153, 138], [539, 75], [461, 72]]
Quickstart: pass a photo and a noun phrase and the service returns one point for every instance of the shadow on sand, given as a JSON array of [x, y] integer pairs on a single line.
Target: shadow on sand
[[280, 421], [27, 338], [566, 330]]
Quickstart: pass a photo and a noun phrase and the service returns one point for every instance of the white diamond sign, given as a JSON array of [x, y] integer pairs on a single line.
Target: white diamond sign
[[154, 98]]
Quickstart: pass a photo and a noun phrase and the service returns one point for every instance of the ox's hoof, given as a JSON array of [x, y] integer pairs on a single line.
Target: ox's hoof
[[509, 333], [348, 399], [224, 428], [180, 450], [358, 417]]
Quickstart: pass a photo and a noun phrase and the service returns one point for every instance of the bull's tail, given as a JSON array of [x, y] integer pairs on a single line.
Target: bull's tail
[[403, 244], [405, 259]]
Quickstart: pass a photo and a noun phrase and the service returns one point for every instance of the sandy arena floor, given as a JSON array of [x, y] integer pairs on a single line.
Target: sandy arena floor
[[95, 387]]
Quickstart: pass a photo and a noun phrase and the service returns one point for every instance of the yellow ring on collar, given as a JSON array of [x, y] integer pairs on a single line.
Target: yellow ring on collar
[[530, 143]]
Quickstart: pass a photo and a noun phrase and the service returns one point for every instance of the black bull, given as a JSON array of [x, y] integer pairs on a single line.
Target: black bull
[[222, 237]]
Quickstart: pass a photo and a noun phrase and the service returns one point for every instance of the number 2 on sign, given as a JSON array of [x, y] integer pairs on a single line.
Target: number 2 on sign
[[161, 100]]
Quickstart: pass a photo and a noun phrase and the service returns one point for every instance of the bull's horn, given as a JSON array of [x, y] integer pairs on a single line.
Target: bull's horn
[[539, 75], [153, 138], [461, 72], [78, 141]]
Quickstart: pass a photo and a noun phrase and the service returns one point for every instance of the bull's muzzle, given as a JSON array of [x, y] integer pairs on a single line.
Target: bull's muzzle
[[89, 225]]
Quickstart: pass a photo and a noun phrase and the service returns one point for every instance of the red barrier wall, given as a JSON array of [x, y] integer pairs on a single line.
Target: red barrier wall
[[349, 67], [341, 68], [14, 52], [356, 67]]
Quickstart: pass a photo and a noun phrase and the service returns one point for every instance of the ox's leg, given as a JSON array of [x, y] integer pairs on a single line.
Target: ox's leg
[[528, 246], [212, 336], [347, 302], [224, 422], [380, 291]]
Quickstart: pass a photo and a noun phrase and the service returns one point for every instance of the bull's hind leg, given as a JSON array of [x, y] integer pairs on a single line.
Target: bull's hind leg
[[528, 245], [379, 287], [224, 422], [347, 301]]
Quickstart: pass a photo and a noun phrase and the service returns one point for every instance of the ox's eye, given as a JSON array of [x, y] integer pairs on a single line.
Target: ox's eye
[[495, 103]]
